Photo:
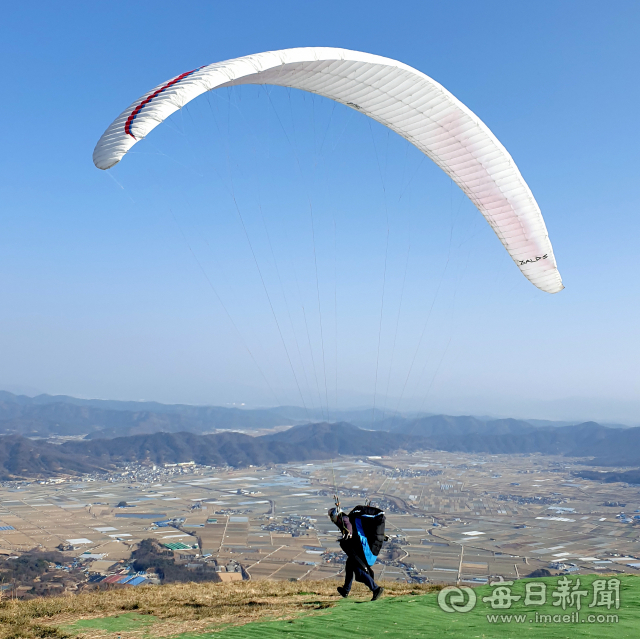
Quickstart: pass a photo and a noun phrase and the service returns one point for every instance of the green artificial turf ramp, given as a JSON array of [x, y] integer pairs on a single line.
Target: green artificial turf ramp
[[119, 623], [421, 616]]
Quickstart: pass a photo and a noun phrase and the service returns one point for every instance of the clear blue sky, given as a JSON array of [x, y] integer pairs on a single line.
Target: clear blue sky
[[102, 277]]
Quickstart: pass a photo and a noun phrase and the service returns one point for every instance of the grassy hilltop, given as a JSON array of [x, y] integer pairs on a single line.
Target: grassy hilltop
[[309, 610]]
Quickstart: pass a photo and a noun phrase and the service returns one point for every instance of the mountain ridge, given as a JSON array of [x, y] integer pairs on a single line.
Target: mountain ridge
[[63, 415], [597, 444], [23, 457]]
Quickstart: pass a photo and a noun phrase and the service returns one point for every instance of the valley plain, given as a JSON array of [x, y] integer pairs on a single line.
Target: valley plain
[[452, 517]]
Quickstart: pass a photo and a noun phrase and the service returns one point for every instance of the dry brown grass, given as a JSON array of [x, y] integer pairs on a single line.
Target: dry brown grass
[[180, 607]]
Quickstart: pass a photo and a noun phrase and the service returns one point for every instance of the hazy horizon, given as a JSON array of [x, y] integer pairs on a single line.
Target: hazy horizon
[[570, 410]]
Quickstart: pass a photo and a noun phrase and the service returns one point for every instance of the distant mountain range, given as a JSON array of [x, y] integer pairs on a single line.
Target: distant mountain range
[[22, 457], [47, 415], [116, 432], [608, 446], [61, 415]]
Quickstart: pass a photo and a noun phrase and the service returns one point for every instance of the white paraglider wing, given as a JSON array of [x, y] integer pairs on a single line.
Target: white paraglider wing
[[394, 94]]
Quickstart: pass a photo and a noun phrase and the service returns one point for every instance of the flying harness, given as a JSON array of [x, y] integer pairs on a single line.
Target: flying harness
[[368, 524]]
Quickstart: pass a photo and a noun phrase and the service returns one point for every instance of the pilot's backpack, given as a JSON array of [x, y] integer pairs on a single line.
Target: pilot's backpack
[[368, 524]]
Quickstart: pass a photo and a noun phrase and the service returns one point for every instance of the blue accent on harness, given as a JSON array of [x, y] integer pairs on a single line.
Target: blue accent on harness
[[368, 555]]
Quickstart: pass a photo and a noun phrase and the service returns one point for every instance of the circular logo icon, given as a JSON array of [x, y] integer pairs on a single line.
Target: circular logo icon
[[454, 599]]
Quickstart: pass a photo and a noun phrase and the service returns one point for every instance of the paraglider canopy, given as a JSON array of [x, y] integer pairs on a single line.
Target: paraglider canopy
[[401, 98]]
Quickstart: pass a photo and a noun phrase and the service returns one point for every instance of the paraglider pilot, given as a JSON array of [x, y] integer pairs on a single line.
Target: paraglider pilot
[[361, 554]]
